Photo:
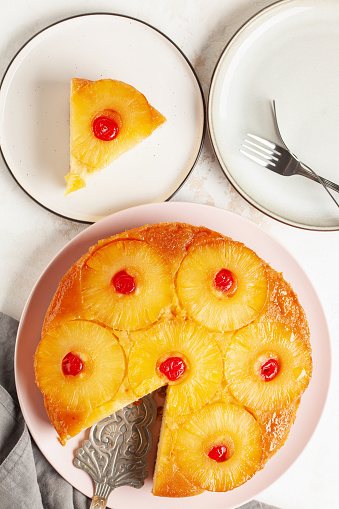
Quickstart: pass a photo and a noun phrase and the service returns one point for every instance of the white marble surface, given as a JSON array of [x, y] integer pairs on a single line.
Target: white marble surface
[[31, 236]]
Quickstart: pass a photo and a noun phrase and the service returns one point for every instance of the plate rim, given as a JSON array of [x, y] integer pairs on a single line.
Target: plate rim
[[131, 214], [147, 24], [233, 39]]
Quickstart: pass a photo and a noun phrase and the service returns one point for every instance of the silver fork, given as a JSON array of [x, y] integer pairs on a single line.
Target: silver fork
[[281, 160]]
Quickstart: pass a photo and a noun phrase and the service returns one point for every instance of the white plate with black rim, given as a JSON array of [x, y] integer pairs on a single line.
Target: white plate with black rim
[[34, 106], [287, 53]]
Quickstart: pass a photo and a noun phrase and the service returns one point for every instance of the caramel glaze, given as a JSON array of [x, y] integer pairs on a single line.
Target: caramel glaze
[[173, 241]]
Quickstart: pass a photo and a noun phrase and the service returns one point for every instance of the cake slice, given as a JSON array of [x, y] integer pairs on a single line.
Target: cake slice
[[107, 118]]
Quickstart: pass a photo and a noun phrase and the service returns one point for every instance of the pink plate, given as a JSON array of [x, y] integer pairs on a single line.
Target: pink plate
[[229, 224]]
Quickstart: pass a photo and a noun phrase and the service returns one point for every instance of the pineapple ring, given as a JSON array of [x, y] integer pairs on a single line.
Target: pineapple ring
[[251, 347], [198, 294], [200, 352], [219, 424], [116, 96], [154, 287], [103, 365]]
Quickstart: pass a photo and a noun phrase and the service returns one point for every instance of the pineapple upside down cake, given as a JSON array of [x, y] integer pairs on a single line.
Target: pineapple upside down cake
[[107, 118], [184, 307]]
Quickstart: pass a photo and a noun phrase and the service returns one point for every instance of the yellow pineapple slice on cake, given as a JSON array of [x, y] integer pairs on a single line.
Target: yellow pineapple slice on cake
[[79, 365], [168, 479], [107, 118], [219, 447], [180, 354], [267, 366], [222, 285], [126, 284]]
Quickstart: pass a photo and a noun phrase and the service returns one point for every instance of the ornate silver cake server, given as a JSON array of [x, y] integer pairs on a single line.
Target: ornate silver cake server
[[115, 453]]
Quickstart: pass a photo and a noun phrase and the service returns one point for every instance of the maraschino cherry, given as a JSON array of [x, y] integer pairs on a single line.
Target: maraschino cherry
[[105, 128], [218, 453], [224, 280], [71, 364], [123, 282], [269, 369], [173, 368]]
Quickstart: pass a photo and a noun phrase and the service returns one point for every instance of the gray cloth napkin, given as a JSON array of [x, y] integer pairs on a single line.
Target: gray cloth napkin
[[27, 480]]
